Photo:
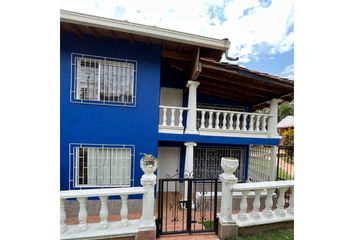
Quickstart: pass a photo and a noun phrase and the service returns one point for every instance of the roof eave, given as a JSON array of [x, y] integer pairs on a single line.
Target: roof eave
[[144, 30]]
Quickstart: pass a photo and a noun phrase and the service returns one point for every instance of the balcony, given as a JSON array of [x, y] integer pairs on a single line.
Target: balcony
[[175, 119], [213, 122]]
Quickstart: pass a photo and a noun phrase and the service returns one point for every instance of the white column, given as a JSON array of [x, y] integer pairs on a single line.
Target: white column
[[273, 121], [188, 164], [148, 181], [227, 179], [273, 164], [191, 127]]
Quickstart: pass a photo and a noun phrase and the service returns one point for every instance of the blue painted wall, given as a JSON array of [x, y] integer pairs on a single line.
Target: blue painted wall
[[99, 124]]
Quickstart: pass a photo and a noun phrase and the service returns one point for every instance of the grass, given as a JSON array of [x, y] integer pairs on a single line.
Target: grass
[[283, 175], [208, 225], [283, 234]]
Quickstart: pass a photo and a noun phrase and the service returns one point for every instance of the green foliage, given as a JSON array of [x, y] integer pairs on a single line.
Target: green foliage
[[283, 234], [285, 109], [288, 137], [208, 225]]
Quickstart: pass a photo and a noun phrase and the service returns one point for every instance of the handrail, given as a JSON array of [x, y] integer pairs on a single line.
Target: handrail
[[262, 185], [174, 107], [101, 192], [228, 111]]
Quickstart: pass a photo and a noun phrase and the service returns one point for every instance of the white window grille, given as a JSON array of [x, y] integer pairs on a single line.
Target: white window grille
[[102, 166], [103, 80]]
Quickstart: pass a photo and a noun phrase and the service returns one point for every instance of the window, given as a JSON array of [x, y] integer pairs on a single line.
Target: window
[[100, 166], [102, 80]]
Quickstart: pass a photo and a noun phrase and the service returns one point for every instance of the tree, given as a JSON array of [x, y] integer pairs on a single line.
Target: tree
[[285, 109]]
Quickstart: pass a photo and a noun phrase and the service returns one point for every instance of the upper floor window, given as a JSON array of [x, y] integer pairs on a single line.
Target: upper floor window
[[103, 80]]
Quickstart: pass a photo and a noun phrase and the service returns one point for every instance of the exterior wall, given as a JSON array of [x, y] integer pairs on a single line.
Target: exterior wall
[[99, 124]]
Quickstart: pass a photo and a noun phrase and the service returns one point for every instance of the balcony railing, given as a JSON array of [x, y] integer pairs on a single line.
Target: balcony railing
[[231, 123], [216, 122], [105, 228], [171, 119], [281, 213]]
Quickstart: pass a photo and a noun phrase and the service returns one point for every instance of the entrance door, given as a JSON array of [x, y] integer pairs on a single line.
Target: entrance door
[[191, 211], [169, 158]]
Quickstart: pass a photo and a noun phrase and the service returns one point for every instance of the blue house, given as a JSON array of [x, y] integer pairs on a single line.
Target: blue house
[[127, 89]]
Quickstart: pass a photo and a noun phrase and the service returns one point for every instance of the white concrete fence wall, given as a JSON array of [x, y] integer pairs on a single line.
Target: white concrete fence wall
[[255, 217], [142, 228]]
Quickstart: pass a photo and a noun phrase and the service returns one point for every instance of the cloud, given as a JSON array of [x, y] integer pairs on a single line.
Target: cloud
[[288, 72], [254, 27]]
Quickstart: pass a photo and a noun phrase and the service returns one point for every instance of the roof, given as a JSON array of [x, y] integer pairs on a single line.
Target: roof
[[287, 122], [243, 85], [197, 55], [170, 40]]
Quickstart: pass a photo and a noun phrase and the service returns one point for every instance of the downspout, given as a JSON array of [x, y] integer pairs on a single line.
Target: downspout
[[228, 57]]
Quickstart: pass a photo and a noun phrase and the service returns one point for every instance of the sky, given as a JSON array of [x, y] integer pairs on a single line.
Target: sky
[[261, 31]]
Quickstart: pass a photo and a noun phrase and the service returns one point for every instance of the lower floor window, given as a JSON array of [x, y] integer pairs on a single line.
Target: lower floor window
[[102, 166]]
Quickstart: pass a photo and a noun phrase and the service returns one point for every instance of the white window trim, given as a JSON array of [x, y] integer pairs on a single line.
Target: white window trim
[[73, 83], [73, 170]]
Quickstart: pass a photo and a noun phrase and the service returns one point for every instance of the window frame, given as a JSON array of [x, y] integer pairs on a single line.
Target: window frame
[[73, 165], [74, 84]]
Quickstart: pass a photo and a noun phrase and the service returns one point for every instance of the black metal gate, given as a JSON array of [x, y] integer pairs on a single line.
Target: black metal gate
[[285, 164], [187, 205]]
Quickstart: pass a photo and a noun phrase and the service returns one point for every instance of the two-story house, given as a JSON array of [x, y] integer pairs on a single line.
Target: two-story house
[[127, 89]]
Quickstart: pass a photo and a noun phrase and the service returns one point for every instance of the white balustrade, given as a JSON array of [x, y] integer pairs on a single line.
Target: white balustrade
[[243, 206], [290, 209], [63, 226], [244, 122], [210, 121], [256, 204], [217, 121], [268, 213], [232, 123], [124, 210], [260, 189], [104, 211], [85, 230], [224, 115], [202, 121], [82, 214], [171, 119]]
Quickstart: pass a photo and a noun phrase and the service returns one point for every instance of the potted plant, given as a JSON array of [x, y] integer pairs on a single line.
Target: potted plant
[[148, 163]]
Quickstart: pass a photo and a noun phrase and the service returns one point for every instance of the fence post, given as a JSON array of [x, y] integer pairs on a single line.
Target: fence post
[[227, 227], [147, 228], [227, 179]]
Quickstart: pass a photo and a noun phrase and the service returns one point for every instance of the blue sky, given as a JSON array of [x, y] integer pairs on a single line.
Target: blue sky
[[261, 31]]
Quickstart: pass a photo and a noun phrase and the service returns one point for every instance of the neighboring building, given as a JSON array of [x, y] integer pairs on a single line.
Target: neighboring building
[[128, 88]]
